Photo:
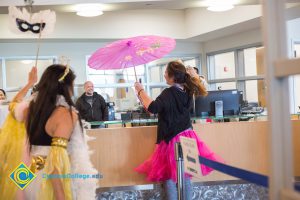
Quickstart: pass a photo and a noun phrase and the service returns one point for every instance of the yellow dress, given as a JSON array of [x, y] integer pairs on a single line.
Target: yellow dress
[[47, 160], [12, 142], [12, 147]]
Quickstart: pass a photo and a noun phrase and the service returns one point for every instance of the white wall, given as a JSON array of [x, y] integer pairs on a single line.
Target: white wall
[[112, 25], [200, 21], [178, 24], [232, 41]]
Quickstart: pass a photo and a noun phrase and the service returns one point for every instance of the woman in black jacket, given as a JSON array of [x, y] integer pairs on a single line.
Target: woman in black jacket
[[173, 109]]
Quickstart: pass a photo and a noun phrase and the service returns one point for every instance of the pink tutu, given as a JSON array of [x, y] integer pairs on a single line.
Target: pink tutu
[[161, 165]]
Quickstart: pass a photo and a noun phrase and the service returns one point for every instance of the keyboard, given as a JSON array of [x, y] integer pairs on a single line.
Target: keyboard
[[253, 110]]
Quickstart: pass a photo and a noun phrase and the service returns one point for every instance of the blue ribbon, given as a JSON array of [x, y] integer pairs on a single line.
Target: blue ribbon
[[236, 172], [297, 186]]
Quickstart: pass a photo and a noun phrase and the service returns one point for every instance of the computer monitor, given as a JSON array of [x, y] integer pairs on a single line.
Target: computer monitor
[[205, 106]]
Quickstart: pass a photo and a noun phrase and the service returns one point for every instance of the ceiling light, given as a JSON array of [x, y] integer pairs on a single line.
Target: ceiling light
[[220, 5], [88, 10]]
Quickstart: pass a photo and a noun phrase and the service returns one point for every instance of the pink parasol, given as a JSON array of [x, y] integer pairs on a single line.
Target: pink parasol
[[131, 52]]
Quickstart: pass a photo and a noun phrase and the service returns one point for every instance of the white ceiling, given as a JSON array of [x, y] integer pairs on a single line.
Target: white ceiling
[[63, 6], [114, 5]]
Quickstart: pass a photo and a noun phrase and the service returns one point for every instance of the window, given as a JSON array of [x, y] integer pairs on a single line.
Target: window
[[224, 66], [117, 85], [157, 68], [252, 91], [295, 94], [235, 69], [116, 76], [15, 70], [250, 62], [154, 72]]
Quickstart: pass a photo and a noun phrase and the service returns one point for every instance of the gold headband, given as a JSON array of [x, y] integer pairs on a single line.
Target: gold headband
[[61, 79], [63, 60]]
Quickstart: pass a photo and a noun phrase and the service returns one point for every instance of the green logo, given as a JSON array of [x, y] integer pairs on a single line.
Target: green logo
[[22, 176]]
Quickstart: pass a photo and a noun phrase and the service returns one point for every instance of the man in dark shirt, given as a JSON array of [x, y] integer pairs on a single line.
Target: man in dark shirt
[[91, 105]]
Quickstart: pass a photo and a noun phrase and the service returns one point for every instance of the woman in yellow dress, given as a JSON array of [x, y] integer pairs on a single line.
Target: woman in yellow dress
[[57, 144], [13, 144]]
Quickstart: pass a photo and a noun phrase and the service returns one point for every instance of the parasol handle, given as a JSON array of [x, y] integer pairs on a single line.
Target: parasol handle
[[135, 74], [38, 46]]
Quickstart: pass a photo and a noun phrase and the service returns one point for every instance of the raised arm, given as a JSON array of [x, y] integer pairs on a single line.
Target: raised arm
[[153, 106], [18, 107]]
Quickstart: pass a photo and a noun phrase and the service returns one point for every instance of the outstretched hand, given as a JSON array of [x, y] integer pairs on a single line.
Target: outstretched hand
[[32, 76], [138, 86]]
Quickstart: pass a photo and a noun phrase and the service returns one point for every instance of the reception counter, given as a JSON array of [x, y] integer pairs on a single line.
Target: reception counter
[[117, 151]]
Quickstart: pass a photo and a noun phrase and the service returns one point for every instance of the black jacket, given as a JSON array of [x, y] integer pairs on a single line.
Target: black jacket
[[97, 112], [173, 107]]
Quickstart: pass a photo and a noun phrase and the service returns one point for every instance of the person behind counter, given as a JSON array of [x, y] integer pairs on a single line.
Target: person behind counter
[[2, 94], [194, 72], [173, 108], [91, 105]]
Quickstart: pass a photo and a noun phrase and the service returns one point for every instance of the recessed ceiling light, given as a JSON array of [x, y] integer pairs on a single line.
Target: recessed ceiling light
[[88, 10]]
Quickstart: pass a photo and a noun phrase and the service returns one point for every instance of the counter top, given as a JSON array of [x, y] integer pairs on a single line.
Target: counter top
[[249, 117]]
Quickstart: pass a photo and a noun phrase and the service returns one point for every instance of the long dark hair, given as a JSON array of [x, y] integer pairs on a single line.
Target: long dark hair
[[192, 85], [3, 92], [43, 106]]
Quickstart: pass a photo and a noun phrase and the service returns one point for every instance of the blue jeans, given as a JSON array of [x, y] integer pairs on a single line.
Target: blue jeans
[[171, 189]]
